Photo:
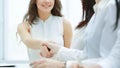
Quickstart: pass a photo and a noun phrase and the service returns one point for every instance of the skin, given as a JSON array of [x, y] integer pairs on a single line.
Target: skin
[[23, 30], [54, 50], [67, 33], [78, 66], [47, 63], [44, 11], [44, 8], [97, 1]]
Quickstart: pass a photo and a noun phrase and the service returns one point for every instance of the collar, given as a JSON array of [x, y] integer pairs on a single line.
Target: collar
[[48, 19], [101, 5]]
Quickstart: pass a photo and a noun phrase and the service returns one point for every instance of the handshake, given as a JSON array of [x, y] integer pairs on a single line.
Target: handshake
[[49, 49]]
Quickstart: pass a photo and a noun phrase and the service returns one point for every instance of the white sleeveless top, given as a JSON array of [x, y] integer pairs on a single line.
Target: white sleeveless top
[[49, 30]]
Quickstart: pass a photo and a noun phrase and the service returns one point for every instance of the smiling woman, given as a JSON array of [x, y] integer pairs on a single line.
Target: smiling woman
[[14, 12], [44, 22]]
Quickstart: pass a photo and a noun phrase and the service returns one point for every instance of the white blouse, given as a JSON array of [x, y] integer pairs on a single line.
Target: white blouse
[[102, 42], [48, 30]]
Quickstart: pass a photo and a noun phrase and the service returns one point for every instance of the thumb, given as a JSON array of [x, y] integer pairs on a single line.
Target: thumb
[[48, 45], [52, 42]]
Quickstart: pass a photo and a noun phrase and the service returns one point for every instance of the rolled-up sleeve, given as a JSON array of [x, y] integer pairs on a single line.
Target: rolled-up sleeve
[[65, 54]]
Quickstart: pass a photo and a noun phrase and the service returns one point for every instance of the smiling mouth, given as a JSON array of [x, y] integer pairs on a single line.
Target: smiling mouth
[[46, 6]]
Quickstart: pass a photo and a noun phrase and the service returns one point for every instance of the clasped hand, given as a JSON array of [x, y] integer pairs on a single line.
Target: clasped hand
[[49, 49]]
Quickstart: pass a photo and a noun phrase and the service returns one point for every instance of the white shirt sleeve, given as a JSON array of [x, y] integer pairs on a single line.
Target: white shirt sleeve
[[113, 60], [65, 54]]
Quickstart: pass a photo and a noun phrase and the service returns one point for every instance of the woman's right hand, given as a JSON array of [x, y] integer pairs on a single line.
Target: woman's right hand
[[45, 52], [49, 49]]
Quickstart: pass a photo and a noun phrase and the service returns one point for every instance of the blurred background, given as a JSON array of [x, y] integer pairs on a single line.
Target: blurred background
[[11, 14]]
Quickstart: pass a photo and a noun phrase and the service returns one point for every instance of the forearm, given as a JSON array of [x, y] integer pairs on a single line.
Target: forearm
[[33, 43], [23, 31], [62, 65], [65, 54]]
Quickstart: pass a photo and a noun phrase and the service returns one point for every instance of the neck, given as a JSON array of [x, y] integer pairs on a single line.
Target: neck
[[44, 15], [102, 4], [97, 1]]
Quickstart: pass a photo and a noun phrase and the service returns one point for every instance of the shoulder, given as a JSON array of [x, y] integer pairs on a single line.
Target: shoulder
[[66, 23], [23, 25], [111, 5], [110, 11]]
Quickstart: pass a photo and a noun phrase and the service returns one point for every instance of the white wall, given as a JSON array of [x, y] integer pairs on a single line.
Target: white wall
[[72, 11], [1, 28], [15, 11]]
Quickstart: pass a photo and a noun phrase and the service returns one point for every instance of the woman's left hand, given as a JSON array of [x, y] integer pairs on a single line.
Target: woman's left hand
[[47, 63], [75, 65], [92, 66]]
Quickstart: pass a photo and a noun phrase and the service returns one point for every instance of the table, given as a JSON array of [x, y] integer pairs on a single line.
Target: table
[[17, 65]]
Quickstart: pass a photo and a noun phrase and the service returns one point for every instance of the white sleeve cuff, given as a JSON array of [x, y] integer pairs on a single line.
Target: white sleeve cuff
[[106, 63], [60, 55], [65, 54]]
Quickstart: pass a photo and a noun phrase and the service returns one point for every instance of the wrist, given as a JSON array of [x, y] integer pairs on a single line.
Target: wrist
[[62, 65], [42, 43], [69, 64]]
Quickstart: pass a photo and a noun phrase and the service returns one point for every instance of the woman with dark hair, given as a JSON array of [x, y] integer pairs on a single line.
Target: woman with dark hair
[[42, 23], [88, 11], [102, 42]]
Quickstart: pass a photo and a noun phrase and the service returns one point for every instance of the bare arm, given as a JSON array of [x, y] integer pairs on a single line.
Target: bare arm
[[24, 33], [67, 33]]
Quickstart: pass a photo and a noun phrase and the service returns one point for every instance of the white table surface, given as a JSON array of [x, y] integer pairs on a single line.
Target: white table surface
[[17, 64]]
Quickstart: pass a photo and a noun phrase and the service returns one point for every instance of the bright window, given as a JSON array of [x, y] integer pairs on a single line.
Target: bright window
[[1, 28], [14, 12]]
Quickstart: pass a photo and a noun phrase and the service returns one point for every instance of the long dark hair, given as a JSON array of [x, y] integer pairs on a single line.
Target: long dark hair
[[117, 12], [88, 11], [32, 12]]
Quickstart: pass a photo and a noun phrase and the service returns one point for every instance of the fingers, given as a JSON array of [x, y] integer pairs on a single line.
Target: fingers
[[52, 42], [48, 44], [45, 52], [48, 54], [51, 49], [38, 64], [74, 65]]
